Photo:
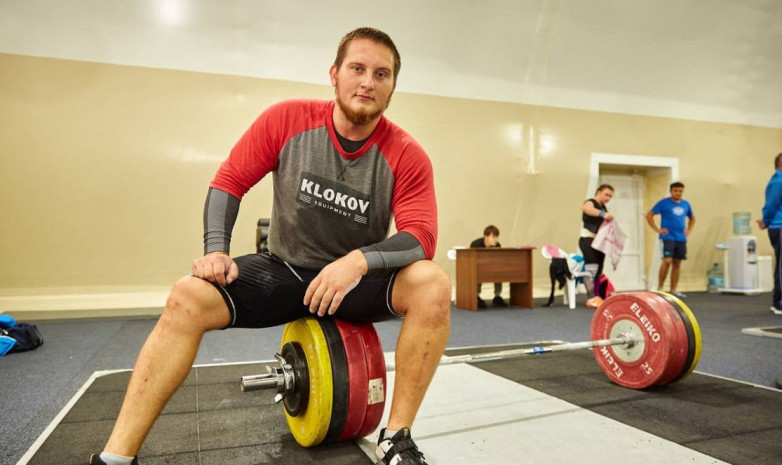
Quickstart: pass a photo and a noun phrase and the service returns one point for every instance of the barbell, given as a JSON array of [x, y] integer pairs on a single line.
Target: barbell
[[331, 374]]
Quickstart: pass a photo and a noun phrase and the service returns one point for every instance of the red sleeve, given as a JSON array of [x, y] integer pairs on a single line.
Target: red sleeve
[[257, 152], [414, 204]]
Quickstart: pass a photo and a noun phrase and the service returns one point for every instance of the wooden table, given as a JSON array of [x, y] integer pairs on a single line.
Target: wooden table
[[493, 265]]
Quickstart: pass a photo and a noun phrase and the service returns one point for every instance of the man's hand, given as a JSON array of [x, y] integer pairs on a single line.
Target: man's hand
[[663, 230], [216, 267], [608, 216], [332, 284], [761, 224]]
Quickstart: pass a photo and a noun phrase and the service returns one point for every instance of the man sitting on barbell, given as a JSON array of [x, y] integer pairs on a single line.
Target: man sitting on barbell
[[340, 171]]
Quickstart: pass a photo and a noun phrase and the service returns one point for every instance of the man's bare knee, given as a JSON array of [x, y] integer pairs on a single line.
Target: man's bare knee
[[423, 285], [196, 304]]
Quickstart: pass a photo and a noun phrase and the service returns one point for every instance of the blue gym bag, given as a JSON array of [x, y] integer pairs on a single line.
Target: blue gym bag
[[17, 337]]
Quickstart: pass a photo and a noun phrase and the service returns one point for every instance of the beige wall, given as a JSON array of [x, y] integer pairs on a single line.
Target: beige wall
[[104, 169], [657, 187]]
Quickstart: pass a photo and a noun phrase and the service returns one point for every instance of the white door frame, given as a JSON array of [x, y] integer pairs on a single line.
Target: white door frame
[[667, 163], [637, 230], [598, 159]]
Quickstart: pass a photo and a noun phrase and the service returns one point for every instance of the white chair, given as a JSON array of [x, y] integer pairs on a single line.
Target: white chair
[[451, 254], [575, 265]]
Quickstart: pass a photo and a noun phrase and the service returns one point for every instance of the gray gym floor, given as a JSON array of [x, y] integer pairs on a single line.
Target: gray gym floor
[[733, 422]]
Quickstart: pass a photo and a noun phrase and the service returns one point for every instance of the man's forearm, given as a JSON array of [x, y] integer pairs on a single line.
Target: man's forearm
[[397, 251], [650, 220], [220, 211], [690, 224]]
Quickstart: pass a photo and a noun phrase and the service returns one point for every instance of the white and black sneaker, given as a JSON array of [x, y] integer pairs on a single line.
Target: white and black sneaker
[[96, 460], [399, 450], [775, 310]]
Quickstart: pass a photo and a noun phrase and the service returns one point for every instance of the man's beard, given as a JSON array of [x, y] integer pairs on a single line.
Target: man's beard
[[359, 118]]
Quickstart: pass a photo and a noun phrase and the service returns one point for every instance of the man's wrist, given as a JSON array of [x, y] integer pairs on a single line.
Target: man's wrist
[[212, 247], [360, 261]]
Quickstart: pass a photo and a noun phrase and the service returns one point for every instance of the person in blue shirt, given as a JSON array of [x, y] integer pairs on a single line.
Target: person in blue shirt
[[676, 222], [772, 220]]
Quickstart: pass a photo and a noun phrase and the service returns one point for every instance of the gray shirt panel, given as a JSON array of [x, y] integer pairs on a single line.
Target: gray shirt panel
[[326, 205]]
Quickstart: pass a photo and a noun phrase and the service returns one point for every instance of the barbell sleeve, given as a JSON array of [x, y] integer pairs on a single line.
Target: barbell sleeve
[[258, 382]]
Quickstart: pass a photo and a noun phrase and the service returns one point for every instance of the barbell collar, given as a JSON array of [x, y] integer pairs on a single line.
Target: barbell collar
[[281, 378]]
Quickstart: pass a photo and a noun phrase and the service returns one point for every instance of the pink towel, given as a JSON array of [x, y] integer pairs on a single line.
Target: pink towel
[[610, 240]]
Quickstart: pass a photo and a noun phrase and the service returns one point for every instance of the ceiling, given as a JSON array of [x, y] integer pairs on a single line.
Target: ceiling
[[709, 60]]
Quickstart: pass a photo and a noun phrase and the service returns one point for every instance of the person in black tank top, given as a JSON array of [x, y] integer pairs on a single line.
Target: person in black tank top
[[593, 213]]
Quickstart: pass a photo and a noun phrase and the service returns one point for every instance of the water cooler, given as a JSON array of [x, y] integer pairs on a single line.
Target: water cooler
[[742, 263], [741, 258]]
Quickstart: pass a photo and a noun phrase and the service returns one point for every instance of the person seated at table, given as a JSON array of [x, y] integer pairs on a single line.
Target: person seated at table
[[490, 238]]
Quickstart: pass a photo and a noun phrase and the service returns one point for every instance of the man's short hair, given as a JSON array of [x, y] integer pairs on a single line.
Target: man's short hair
[[777, 160], [675, 184], [603, 187], [372, 34], [491, 230]]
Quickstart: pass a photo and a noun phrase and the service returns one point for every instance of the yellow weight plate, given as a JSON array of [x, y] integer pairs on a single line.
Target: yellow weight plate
[[696, 330], [310, 426]]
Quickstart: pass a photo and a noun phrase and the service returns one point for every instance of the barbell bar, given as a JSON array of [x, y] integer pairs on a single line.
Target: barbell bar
[[624, 340], [284, 380]]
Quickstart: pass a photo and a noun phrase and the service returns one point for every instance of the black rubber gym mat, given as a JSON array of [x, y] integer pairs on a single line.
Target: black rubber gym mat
[[210, 417], [735, 422]]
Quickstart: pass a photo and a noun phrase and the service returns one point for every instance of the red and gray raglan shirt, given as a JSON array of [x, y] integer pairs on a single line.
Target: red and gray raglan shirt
[[328, 202]]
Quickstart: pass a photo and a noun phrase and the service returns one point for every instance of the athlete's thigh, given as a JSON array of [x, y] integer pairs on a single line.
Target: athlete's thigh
[[370, 301], [267, 293]]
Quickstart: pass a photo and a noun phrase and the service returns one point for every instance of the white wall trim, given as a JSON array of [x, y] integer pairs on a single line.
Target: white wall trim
[[83, 301], [86, 305]]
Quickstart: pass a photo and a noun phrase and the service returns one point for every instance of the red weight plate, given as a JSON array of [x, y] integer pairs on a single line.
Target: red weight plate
[[678, 341], [376, 385], [644, 364], [357, 373]]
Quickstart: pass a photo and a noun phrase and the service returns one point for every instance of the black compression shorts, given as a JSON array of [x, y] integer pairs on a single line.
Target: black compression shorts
[[270, 292], [591, 255]]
